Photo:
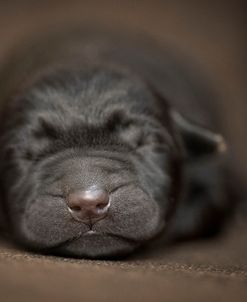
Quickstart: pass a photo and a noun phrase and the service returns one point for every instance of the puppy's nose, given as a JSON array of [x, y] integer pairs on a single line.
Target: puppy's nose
[[89, 206]]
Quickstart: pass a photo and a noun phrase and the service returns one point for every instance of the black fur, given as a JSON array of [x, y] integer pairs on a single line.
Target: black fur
[[73, 120]]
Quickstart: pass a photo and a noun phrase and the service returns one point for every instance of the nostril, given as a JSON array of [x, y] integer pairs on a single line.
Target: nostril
[[75, 208], [101, 206]]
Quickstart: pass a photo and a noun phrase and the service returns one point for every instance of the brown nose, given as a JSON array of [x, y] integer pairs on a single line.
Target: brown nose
[[89, 206]]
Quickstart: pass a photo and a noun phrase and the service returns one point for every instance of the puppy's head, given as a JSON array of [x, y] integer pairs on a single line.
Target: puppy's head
[[92, 163]]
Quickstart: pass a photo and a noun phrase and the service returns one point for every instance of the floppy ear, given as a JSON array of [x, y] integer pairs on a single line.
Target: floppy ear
[[198, 141]]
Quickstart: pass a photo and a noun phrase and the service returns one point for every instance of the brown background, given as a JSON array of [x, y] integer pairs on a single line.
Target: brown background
[[214, 32]]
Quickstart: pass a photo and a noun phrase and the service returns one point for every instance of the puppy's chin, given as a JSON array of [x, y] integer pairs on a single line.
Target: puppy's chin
[[94, 245]]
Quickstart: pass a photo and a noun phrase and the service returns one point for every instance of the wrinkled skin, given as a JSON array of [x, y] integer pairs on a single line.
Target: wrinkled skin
[[74, 127]]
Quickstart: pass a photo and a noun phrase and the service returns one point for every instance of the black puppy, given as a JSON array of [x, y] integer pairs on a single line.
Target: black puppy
[[95, 158]]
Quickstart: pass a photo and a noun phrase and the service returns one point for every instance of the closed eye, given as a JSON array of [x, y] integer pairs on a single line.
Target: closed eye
[[57, 195], [122, 185], [54, 195]]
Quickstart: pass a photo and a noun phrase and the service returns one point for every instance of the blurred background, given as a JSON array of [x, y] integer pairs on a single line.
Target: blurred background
[[212, 32]]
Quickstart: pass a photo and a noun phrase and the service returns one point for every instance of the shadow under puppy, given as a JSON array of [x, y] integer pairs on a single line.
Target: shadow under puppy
[[95, 157]]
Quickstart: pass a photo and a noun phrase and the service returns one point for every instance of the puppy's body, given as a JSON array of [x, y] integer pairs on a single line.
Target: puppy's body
[[83, 110]]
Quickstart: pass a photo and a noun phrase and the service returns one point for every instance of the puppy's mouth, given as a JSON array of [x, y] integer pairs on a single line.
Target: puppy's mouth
[[93, 234]]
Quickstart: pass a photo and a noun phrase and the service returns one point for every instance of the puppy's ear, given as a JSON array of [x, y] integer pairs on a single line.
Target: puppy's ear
[[198, 141]]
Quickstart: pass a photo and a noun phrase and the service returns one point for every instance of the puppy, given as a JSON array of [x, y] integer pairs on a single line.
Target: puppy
[[96, 158]]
